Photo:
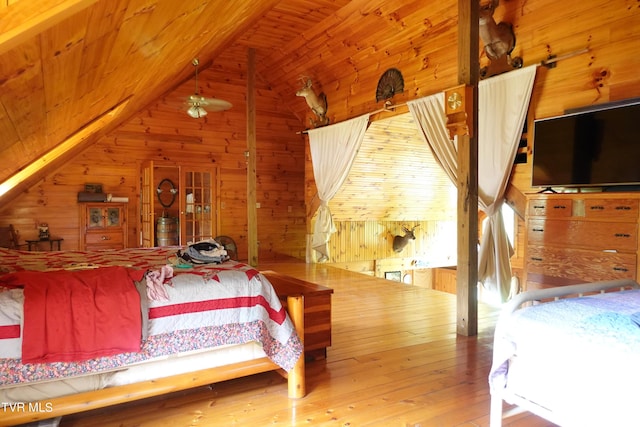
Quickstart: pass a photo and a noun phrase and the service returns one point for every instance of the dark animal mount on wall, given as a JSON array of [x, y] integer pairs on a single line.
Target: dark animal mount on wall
[[499, 41], [399, 242]]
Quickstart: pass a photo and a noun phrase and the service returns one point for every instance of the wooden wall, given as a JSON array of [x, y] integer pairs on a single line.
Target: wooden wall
[[164, 133], [420, 39], [607, 72]]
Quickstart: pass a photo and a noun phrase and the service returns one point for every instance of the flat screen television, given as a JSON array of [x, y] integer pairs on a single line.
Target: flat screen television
[[586, 148]]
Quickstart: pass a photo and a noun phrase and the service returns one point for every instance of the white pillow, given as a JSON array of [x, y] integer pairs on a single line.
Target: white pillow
[[11, 312]]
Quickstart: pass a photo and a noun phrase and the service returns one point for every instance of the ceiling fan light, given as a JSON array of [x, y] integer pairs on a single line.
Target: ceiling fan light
[[196, 111]]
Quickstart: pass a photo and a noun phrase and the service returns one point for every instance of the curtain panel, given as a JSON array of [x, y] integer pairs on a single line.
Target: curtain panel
[[333, 150], [503, 102]]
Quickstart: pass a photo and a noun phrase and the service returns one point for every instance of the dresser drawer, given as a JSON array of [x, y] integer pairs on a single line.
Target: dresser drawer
[[621, 236], [111, 238], [550, 208], [613, 209], [579, 265]]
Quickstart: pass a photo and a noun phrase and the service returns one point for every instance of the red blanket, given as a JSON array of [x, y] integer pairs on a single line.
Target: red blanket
[[78, 315]]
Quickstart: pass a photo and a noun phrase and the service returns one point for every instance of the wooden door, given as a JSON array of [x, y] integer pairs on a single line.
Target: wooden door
[[198, 205], [147, 199]]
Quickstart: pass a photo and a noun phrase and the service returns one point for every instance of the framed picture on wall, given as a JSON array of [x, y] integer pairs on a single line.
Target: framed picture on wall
[[396, 276]]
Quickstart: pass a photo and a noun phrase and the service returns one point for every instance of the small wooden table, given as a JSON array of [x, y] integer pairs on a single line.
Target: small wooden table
[[317, 310], [33, 243]]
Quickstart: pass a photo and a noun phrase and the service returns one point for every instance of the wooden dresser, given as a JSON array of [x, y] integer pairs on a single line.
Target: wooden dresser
[[577, 238], [103, 225], [317, 310]]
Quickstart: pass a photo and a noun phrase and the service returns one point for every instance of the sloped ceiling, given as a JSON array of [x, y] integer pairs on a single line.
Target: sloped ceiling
[[72, 70]]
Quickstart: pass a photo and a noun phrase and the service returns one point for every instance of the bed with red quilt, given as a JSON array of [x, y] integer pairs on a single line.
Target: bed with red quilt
[[80, 330]]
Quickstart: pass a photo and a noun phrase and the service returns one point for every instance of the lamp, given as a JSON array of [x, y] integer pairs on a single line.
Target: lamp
[[196, 111]]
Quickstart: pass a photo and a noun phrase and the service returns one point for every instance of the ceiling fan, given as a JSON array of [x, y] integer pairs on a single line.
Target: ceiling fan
[[199, 105]]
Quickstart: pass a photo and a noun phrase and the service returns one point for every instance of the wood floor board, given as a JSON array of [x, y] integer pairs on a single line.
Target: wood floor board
[[395, 360]]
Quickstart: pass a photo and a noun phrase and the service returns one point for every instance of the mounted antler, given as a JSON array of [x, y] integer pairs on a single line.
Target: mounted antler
[[399, 242], [317, 103]]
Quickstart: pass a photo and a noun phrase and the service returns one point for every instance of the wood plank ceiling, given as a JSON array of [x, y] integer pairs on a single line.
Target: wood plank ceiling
[[72, 70]]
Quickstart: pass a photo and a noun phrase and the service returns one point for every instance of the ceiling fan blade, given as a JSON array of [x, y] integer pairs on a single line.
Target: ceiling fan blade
[[215, 104], [212, 104]]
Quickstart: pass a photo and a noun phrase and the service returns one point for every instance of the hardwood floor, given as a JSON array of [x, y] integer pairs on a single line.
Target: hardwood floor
[[395, 360]]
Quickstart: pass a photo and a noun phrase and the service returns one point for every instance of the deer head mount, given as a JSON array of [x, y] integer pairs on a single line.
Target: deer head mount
[[317, 103], [499, 39], [399, 242]]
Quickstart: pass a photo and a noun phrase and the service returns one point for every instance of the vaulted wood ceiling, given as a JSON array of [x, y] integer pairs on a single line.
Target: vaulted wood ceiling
[[72, 70]]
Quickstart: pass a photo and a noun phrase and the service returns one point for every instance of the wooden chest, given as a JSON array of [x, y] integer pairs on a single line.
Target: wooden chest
[[317, 310]]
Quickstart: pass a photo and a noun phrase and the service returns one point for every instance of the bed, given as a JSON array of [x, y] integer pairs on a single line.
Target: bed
[[569, 354], [144, 324]]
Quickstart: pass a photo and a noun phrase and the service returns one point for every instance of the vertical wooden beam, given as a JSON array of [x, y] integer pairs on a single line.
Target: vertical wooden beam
[[468, 73], [252, 207]]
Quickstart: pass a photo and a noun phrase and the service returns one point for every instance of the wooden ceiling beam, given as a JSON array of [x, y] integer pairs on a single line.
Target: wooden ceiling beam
[[23, 179], [26, 19]]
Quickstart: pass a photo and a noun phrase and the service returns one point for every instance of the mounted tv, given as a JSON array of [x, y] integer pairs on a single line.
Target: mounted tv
[[598, 147]]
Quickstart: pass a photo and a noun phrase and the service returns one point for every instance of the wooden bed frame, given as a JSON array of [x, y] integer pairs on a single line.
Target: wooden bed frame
[[86, 401], [540, 295]]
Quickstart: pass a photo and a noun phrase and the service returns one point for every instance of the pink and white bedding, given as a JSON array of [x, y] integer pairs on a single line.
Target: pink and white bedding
[[202, 307], [573, 361]]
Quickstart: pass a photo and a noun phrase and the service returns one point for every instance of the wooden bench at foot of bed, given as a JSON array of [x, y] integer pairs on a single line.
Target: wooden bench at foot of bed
[[85, 401], [317, 310]]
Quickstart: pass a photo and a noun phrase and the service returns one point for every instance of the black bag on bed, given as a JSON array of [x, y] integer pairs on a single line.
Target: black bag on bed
[[205, 252]]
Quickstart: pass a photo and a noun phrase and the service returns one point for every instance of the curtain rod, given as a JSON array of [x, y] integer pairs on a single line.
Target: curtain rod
[[387, 107]]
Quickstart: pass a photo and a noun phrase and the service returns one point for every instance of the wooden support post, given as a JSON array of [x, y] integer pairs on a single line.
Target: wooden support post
[[296, 381], [468, 74], [252, 207]]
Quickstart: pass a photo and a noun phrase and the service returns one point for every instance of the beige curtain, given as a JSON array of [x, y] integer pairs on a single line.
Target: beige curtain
[[502, 106], [503, 102], [333, 150]]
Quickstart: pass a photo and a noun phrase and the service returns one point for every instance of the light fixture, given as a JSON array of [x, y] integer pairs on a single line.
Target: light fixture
[[196, 111], [199, 105]]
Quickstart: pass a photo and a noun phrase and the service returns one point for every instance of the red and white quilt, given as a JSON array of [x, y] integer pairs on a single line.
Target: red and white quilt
[[207, 306]]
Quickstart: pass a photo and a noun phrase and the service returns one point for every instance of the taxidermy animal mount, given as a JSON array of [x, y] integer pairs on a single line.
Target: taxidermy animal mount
[[399, 242], [317, 103], [499, 39]]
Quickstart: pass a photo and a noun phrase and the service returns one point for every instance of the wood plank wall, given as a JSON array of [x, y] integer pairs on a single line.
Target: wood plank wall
[[420, 42], [165, 134], [543, 28]]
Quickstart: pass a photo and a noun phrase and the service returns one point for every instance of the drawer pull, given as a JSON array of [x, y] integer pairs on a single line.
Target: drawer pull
[[597, 208], [106, 238], [620, 269], [537, 229], [559, 207], [538, 206], [623, 208], [536, 259], [622, 235]]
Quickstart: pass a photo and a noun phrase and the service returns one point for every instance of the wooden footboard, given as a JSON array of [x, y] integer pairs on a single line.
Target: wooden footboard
[[51, 408]]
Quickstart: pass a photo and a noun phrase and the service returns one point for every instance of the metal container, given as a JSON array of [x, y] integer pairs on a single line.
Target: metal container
[[167, 232]]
